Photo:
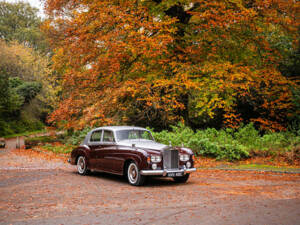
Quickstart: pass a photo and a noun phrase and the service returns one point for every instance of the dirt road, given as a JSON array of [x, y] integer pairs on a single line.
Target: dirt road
[[34, 190]]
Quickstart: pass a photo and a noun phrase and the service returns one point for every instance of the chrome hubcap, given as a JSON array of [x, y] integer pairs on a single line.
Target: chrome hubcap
[[81, 164], [132, 173]]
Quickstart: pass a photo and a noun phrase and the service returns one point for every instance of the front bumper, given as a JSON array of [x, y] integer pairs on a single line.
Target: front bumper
[[165, 172]]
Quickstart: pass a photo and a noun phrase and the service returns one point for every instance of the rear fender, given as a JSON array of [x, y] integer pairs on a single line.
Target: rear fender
[[81, 151]]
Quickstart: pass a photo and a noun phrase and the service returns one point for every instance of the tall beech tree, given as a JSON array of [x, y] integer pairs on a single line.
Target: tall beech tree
[[208, 63]]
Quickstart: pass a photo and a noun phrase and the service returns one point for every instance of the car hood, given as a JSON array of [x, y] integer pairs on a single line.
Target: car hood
[[145, 144]]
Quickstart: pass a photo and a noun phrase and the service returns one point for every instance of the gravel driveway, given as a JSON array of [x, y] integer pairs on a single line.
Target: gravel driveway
[[34, 190]]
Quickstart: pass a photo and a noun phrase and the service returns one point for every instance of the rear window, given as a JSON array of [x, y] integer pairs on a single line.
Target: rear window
[[96, 136]]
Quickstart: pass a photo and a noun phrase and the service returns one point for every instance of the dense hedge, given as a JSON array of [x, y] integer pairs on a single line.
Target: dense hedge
[[230, 144]]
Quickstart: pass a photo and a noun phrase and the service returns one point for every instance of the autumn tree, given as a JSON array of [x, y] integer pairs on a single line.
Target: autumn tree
[[154, 62]]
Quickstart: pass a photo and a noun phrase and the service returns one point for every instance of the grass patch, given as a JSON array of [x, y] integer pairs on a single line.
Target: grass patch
[[264, 167], [257, 166], [58, 148]]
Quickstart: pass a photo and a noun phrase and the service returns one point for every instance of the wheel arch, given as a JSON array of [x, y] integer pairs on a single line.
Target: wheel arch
[[126, 164], [81, 152]]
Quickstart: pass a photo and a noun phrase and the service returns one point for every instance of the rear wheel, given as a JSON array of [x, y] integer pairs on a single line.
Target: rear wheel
[[82, 165], [182, 179], [133, 175]]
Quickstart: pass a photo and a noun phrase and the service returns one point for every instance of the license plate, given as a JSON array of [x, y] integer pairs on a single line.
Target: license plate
[[175, 174]]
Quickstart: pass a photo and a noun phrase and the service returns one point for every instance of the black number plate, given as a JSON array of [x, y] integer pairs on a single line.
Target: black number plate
[[175, 174]]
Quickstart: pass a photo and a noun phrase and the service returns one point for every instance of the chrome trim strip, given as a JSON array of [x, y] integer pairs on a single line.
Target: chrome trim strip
[[165, 172]]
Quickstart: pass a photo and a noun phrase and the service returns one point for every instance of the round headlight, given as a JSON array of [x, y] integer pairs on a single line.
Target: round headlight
[[155, 158], [188, 164], [154, 166], [184, 157]]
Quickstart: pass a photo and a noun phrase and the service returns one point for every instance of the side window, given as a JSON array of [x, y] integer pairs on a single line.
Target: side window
[[96, 136], [108, 136]]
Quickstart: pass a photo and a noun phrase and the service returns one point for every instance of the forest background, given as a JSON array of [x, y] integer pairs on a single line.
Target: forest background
[[222, 65]]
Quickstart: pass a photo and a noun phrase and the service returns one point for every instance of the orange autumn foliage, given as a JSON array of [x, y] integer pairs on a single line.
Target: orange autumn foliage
[[159, 62]]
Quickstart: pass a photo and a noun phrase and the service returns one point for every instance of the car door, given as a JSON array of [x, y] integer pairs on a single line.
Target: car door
[[95, 146], [109, 150]]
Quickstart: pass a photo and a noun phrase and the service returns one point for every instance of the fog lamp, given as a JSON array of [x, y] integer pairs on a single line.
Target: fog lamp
[[188, 165], [154, 166]]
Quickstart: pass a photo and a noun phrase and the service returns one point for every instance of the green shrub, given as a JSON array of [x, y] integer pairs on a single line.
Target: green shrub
[[19, 126], [5, 128], [210, 142], [180, 134], [29, 90], [247, 135], [218, 144]]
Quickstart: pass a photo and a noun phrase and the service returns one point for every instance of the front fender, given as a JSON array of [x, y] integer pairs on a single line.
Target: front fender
[[139, 156]]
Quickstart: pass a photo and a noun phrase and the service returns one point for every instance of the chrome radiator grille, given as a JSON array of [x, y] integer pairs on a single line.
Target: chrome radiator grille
[[170, 159]]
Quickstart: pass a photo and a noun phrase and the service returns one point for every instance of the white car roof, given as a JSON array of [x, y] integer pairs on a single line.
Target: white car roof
[[116, 128]]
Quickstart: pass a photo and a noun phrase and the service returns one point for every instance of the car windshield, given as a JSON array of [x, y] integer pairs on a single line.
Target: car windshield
[[133, 134]]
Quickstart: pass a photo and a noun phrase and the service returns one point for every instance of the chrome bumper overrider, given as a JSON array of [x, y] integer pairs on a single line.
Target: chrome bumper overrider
[[165, 172]]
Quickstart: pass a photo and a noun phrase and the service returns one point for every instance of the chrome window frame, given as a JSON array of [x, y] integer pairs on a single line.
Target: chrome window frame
[[89, 142]]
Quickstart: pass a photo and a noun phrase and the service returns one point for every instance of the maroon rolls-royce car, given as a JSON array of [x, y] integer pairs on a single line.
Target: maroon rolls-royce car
[[133, 152]]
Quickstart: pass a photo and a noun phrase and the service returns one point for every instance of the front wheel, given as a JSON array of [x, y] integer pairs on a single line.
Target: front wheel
[[82, 166], [133, 175], [182, 179]]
